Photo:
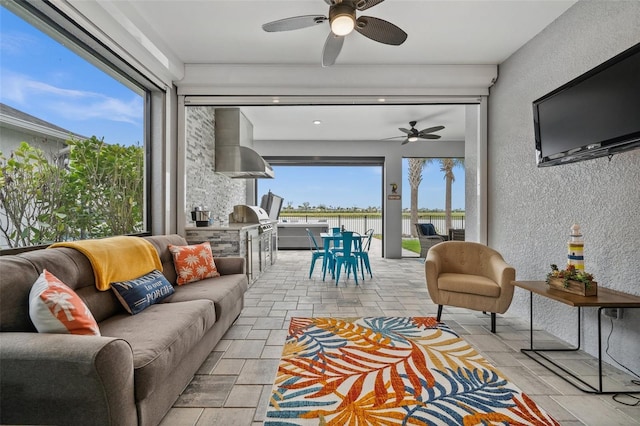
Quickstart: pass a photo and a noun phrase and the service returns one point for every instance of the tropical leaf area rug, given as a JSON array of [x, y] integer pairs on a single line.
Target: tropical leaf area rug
[[390, 371]]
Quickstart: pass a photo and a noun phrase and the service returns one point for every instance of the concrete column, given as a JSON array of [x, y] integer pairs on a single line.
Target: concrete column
[[392, 244]]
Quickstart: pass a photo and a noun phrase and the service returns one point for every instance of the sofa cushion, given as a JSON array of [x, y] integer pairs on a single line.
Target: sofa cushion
[[55, 308], [224, 292], [161, 243], [428, 229], [467, 283], [142, 292], [19, 272], [193, 263], [160, 337]]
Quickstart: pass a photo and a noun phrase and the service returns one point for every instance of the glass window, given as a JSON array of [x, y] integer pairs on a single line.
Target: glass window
[[72, 139]]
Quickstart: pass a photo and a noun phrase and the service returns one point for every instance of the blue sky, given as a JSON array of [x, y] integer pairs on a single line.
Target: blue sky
[[357, 186], [41, 77]]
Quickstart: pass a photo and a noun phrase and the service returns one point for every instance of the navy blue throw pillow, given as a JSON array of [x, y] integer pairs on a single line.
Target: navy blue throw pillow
[[428, 229], [135, 295]]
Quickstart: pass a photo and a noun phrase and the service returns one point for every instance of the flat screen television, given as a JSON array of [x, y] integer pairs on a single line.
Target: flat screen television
[[594, 115]]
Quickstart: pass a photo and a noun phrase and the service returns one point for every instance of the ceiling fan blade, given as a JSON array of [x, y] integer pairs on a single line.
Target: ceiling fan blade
[[332, 48], [428, 136], [294, 23], [404, 142], [402, 129], [380, 30], [432, 129], [393, 137], [366, 4]]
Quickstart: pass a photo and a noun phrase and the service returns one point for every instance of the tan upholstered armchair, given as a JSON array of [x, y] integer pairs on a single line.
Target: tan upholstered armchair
[[469, 275]]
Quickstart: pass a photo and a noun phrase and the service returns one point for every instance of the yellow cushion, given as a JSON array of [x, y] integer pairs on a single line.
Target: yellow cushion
[[470, 284]]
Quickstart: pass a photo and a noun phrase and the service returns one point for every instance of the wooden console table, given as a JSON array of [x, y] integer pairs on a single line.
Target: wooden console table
[[605, 299]]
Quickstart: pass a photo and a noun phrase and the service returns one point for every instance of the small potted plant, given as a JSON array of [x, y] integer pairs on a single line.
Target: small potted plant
[[572, 281]]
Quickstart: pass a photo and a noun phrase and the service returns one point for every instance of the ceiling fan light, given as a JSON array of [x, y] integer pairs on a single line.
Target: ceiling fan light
[[342, 24], [412, 138], [342, 18]]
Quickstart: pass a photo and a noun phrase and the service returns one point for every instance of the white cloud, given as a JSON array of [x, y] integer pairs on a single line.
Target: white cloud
[[15, 43], [71, 104]]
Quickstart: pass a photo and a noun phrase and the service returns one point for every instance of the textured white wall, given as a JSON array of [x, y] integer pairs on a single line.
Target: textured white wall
[[531, 209], [471, 141]]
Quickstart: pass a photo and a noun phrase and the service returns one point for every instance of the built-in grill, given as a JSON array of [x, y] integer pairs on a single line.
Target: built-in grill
[[251, 214], [261, 240]]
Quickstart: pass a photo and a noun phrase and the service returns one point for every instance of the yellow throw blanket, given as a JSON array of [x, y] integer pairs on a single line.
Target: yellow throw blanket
[[117, 259]]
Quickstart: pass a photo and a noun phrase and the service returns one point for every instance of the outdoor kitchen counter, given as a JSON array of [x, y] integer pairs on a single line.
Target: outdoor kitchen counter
[[225, 240], [293, 235], [238, 239], [225, 227]]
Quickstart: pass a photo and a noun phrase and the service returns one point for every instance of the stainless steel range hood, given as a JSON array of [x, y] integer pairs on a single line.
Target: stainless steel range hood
[[234, 141]]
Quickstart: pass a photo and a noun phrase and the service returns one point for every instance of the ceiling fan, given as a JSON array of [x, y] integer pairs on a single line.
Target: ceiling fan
[[414, 134], [342, 20]]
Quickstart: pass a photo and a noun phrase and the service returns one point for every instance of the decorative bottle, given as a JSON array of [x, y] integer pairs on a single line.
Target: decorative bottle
[[576, 248]]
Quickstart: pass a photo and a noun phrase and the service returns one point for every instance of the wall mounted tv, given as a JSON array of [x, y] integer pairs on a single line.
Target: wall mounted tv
[[594, 115]]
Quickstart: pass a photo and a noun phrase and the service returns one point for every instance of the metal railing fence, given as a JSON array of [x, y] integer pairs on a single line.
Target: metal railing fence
[[362, 223]]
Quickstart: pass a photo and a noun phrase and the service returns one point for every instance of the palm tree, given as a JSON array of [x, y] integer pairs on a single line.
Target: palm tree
[[416, 166], [447, 165]]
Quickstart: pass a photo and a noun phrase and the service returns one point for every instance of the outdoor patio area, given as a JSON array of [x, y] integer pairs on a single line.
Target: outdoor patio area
[[233, 386]]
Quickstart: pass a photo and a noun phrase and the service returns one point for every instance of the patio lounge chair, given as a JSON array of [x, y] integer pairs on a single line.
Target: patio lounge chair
[[428, 237]]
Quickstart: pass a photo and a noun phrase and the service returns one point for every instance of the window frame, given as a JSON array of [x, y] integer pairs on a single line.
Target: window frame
[[51, 20]]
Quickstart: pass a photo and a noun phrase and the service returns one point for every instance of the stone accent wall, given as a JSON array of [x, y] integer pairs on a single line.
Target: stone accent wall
[[204, 187], [232, 242]]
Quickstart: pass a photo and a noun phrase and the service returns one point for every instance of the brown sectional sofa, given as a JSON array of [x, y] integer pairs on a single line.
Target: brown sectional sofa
[[132, 373]]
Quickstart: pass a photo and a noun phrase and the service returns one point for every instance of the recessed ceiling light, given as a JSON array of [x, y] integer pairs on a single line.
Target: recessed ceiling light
[[381, 99], [276, 100], [317, 122]]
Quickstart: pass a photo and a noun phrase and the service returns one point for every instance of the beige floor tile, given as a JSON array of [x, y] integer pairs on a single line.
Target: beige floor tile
[[226, 367], [277, 337], [227, 416], [209, 364], [236, 385], [261, 409], [206, 391], [592, 411], [182, 417], [244, 396], [258, 335], [258, 372], [245, 349], [272, 352]]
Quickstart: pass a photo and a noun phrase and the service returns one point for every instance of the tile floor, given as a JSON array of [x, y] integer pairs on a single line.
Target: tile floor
[[233, 385]]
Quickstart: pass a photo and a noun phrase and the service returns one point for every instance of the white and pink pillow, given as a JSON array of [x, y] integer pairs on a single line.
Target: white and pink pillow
[[56, 308]]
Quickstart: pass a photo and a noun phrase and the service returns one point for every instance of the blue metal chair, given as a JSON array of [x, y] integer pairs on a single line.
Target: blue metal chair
[[316, 252], [345, 257], [362, 252]]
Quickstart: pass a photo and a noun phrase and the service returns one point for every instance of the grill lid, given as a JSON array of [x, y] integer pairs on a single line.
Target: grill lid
[[248, 214]]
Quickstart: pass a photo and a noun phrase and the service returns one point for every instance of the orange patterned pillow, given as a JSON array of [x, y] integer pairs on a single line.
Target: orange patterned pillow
[[193, 263], [56, 308]]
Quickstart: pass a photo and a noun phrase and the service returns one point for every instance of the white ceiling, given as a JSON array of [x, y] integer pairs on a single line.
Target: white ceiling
[[439, 32], [353, 122]]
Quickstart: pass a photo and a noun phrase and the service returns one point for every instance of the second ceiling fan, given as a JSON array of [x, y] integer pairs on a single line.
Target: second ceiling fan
[[342, 20], [414, 134]]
